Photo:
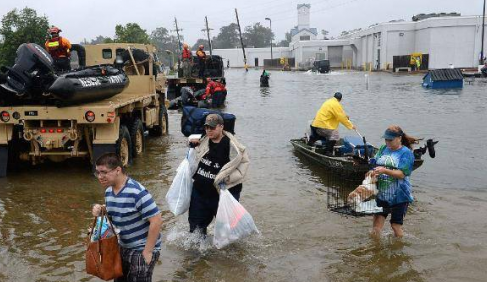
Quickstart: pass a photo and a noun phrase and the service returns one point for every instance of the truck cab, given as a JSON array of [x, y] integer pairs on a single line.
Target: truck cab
[[39, 133]]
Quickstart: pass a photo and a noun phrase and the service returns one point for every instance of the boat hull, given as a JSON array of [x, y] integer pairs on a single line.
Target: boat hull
[[346, 165]]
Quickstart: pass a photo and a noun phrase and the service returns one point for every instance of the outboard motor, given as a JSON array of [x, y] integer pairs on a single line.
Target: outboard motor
[[429, 146], [32, 72]]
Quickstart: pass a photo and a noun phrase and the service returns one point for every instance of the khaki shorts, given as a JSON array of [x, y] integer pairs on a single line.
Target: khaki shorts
[[329, 134]]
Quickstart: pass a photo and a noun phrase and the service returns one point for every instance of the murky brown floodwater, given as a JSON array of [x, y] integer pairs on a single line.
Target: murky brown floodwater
[[44, 212]]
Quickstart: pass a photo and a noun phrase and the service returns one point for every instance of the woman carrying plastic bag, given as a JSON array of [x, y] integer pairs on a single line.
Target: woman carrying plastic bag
[[233, 221], [179, 195]]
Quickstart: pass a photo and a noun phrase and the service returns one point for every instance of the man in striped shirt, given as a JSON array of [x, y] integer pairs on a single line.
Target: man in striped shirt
[[137, 218]]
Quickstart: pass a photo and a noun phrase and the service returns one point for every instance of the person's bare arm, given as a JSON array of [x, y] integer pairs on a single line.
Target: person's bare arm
[[154, 229]]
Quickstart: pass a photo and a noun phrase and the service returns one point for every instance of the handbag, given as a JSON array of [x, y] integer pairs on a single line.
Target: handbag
[[103, 258]]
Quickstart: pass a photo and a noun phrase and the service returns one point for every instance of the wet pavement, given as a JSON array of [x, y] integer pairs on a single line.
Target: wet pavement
[[45, 211]]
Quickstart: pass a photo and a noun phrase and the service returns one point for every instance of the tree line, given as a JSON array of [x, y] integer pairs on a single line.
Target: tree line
[[25, 26]]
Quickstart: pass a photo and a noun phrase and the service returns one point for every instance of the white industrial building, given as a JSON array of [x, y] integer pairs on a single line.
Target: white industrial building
[[446, 40]]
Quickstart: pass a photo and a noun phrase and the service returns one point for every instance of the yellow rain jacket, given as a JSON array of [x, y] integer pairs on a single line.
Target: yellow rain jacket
[[330, 115]]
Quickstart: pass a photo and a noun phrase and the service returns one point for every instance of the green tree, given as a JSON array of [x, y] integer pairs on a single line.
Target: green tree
[[203, 42], [258, 36], [285, 42], [227, 38], [163, 41], [20, 27], [131, 33], [101, 39]]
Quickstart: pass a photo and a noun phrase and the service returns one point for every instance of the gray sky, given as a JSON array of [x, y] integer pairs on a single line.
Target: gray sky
[[90, 18]]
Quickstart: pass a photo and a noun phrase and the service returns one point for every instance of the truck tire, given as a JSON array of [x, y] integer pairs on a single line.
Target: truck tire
[[3, 161], [124, 146], [163, 127], [137, 136]]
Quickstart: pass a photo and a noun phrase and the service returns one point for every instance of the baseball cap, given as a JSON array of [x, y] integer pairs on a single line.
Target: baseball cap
[[338, 95], [213, 120], [389, 134]]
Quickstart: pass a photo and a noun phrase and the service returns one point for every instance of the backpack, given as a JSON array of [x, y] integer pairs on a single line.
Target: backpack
[[193, 120]]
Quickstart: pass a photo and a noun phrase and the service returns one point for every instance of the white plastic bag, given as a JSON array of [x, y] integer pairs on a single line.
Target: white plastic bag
[[179, 195], [233, 221]]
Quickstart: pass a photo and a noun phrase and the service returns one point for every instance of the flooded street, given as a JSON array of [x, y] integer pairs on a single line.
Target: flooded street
[[45, 211]]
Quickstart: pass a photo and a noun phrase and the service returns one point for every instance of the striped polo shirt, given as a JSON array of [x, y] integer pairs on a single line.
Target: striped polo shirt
[[130, 211]]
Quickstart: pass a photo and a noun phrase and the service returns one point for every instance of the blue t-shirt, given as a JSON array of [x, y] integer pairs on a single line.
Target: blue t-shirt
[[130, 210], [392, 190]]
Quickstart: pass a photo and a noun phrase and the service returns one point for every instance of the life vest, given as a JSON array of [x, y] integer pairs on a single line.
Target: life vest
[[186, 54], [56, 48], [213, 87]]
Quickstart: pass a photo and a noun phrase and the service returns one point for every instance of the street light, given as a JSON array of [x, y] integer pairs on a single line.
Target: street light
[[270, 26], [481, 61], [169, 52]]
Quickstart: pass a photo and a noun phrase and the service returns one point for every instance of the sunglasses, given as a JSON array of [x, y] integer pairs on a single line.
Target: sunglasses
[[207, 127]]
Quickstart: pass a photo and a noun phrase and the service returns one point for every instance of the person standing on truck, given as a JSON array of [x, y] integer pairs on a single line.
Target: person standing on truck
[[201, 61], [59, 48], [326, 122], [133, 212], [187, 60], [222, 161]]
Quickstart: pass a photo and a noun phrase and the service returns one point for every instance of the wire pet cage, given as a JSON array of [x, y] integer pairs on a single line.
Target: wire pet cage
[[352, 196]]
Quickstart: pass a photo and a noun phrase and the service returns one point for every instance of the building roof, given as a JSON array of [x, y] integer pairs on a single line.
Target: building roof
[[312, 30], [446, 74], [304, 5]]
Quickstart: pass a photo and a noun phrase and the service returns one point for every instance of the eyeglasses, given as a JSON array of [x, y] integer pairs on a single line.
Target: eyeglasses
[[207, 127], [102, 173]]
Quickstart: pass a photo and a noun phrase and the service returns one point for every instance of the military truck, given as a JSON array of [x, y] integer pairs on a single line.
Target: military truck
[[214, 70], [36, 133]]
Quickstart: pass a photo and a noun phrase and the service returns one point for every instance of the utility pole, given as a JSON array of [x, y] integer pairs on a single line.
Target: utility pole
[[179, 42], [208, 34], [481, 61], [270, 27], [241, 41]]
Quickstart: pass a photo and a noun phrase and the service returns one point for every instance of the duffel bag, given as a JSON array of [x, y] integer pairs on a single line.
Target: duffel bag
[[193, 120]]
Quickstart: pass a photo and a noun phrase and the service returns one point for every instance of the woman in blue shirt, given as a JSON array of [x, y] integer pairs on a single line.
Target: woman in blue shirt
[[394, 162]]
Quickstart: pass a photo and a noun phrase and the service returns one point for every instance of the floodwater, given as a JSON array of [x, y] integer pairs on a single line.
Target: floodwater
[[44, 212]]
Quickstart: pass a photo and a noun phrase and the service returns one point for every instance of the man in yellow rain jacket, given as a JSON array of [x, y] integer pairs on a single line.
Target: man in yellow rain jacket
[[326, 122], [60, 50]]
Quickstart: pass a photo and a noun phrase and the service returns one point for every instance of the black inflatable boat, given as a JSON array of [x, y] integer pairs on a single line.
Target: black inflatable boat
[[32, 80], [88, 85]]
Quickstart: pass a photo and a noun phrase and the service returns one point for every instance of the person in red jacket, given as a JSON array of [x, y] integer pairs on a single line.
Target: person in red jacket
[[215, 93], [187, 60], [59, 48]]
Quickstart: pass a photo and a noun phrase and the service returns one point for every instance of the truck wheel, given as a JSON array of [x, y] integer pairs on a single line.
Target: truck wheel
[[137, 137], [124, 146], [3, 160], [163, 127]]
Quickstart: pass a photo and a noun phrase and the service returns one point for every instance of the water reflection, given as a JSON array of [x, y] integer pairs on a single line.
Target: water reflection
[[452, 92], [386, 260], [265, 92]]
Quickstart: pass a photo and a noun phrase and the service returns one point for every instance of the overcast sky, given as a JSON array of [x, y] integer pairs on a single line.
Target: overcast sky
[[90, 18]]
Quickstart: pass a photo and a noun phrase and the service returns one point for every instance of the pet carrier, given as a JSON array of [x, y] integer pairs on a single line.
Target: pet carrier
[[356, 196]]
